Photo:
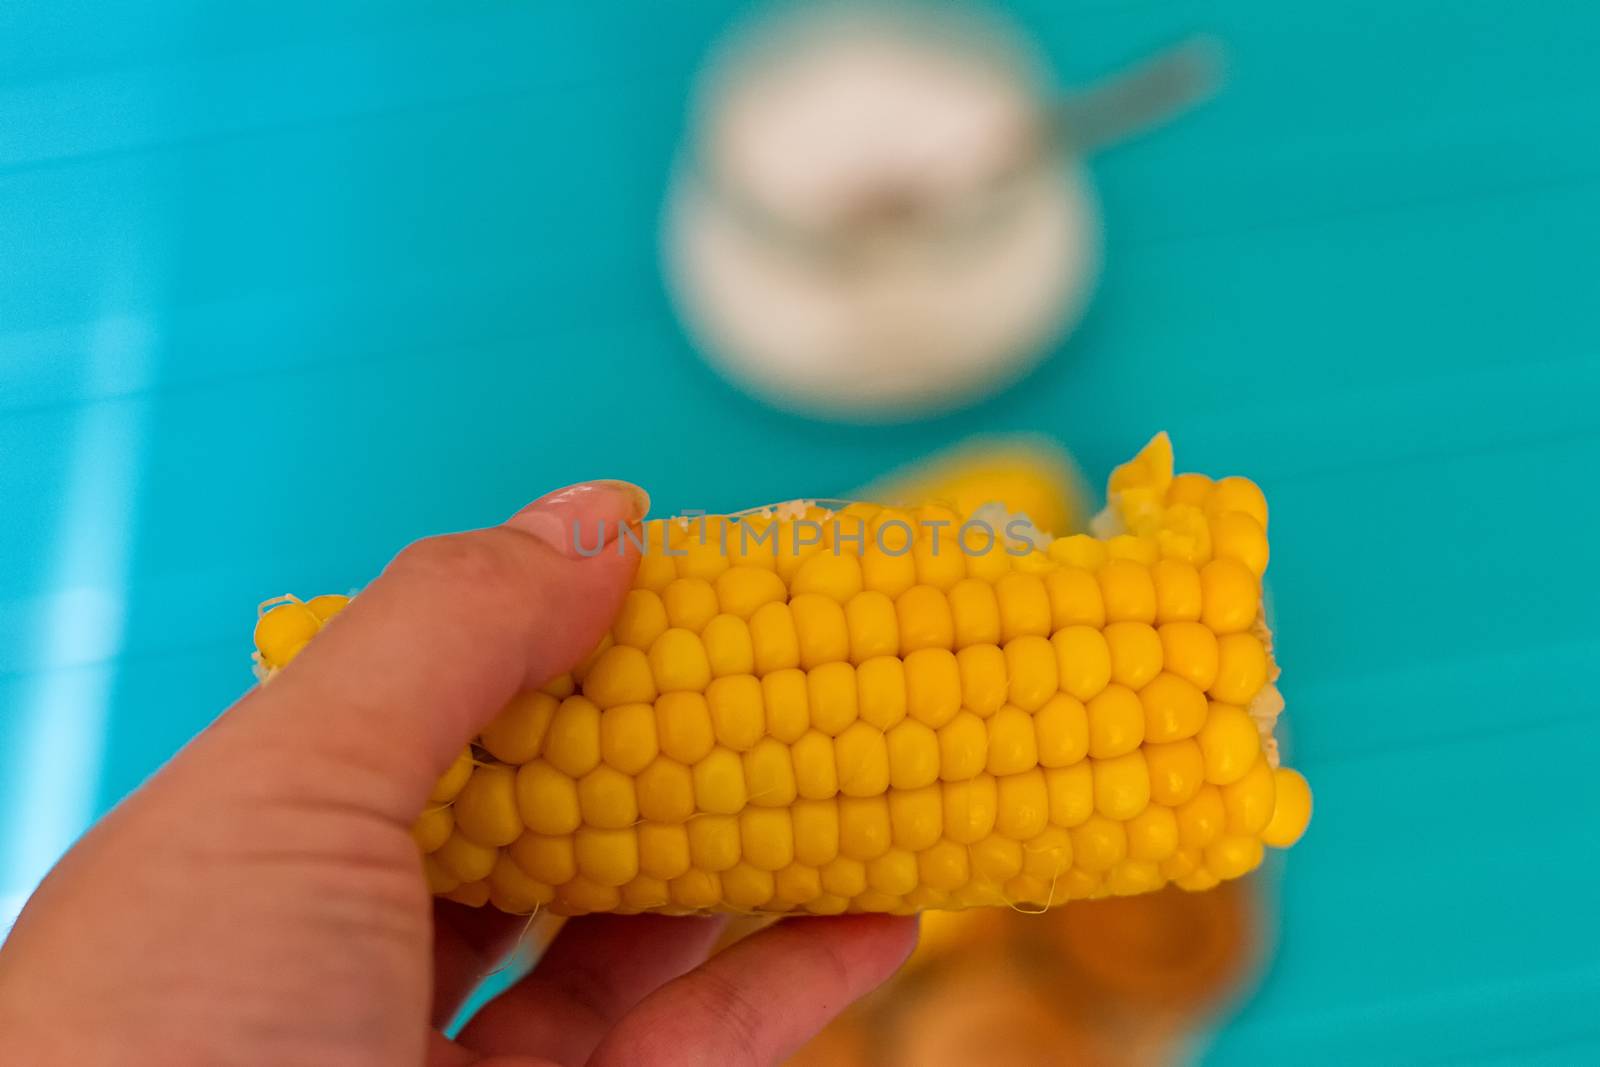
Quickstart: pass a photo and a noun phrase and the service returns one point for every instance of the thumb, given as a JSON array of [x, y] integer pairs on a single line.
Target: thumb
[[398, 682]]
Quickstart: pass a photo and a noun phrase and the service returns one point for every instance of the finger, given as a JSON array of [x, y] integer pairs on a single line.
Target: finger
[[396, 684], [469, 944], [596, 970], [761, 999]]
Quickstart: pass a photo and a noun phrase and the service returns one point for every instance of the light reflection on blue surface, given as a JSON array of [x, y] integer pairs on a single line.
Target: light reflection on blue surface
[[80, 623]]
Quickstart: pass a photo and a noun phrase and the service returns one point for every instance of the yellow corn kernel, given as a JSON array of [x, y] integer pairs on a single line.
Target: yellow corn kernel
[[1189, 650], [925, 623], [1237, 494], [1230, 596], [719, 782], [1177, 771], [864, 827], [745, 886], [766, 836], [1116, 722], [678, 662], [1061, 731], [1022, 805], [984, 680], [816, 775], [742, 589], [774, 639], [861, 755], [913, 755], [1079, 550], [816, 831], [1153, 834], [1291, 810], [1128, 591], [1024, 606], [1012, 747], [486, 808], [963, 747], [432, 828], [1075, 598], [621, 675], [1071, 791], [1201, 819], [1098, 844], [796, 885], [545, 859], [788, 705], [826, 574], [769, 774], [728, 647], [451, 782], [1189, 489], [1121, 785], [832, 696], [975, 613], [844, 877], [663, 850], [641, 620], [547, 800], [933, 686], [516, 734], [683, 726], [464, 858], [690, 603], [1249, 801], [1230, 743], [440, 881], [695, 889], [886, 563], [1083, 661], [283, 631], [894, 873], [1031, 664], [1173, 708], [820, 628], [944, 866], [628, 737], [607, 857], [607, 798], [916, 817], [738, 718], [1233, 856], [881, 691], [873, 626], [996, 859], [1181, 864], [713, 842], [1135, 653], [969, 809], [511, 890], [1235, 535], [1241, 668], [666, 791], [1178, 595], [645, 893]]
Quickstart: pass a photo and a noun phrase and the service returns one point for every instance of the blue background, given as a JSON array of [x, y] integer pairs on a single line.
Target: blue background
[[284, 285]]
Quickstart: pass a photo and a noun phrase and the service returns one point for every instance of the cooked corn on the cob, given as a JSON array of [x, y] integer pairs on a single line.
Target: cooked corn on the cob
[[877, 709]]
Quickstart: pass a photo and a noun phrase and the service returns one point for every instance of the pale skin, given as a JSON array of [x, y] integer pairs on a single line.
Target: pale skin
[[260, 901]]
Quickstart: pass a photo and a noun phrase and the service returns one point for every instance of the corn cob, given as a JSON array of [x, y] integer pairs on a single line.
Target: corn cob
[[815, 710]]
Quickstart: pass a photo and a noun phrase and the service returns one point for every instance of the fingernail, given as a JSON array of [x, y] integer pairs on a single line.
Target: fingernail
[[582, 519]]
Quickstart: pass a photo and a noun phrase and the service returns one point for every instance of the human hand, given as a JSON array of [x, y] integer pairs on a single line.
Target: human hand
[[260, 900]]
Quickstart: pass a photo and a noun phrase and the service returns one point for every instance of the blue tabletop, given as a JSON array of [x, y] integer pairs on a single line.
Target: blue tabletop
[[283, 288]]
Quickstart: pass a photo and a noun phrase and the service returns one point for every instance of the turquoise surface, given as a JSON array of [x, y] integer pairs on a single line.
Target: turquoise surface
[[283, 286]]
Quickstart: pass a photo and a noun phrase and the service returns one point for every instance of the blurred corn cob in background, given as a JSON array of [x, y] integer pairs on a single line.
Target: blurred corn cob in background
[[890, 715]]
